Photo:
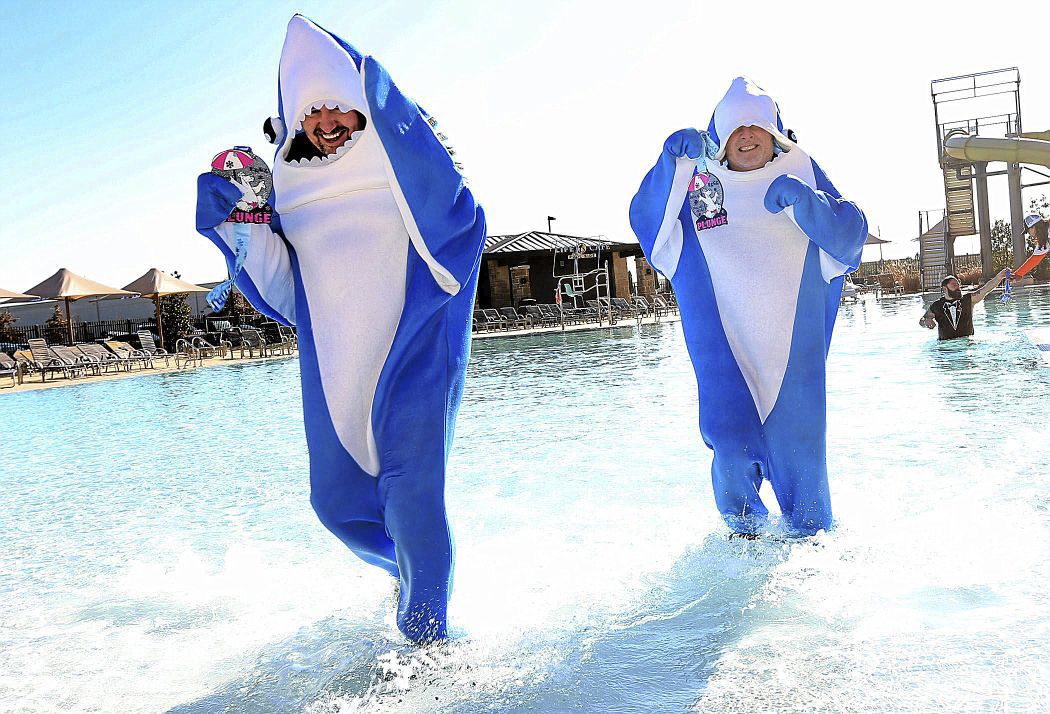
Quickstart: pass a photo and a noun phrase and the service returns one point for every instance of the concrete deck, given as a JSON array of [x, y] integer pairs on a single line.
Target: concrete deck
[[586, 327], [32, 383]]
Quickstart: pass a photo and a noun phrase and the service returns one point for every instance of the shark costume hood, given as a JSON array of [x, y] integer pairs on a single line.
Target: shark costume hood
[[373, 254], [756, 259], [746, 104]]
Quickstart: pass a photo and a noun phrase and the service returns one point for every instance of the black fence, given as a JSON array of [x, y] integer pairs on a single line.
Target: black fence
[[17, 337]]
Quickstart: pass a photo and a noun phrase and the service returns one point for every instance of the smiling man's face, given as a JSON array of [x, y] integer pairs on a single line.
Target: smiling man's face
[[749, 148], [328, 129]]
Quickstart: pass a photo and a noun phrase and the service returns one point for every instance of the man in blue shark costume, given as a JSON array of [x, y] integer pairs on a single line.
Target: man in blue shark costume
[[756, 259], [373, 255]]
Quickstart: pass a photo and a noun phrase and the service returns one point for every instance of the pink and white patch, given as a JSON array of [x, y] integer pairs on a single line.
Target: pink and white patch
[[698, 182], [231, 160]]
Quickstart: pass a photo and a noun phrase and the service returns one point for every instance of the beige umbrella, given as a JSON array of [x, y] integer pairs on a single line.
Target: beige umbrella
[[68, 286], [10, 295], [156, 284]]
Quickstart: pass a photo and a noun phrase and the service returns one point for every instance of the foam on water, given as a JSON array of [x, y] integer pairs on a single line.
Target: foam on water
[[160, 551]]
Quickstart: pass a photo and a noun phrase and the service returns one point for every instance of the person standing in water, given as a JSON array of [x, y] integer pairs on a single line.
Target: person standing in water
[[952, 314]]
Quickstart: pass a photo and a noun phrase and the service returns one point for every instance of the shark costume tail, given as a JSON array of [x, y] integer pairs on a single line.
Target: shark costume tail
[[373, 254], [756, 259]]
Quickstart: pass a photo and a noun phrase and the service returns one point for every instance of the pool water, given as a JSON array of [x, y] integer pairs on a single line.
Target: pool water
[[160, 552]]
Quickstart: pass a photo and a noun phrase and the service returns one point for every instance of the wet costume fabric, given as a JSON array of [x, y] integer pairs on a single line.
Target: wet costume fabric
[[954, 317], [373, 254], [756, 260]]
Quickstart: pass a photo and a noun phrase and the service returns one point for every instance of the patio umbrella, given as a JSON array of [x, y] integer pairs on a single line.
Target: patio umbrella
[[10, 295], [875, 240], [155, 284], [68, 286]]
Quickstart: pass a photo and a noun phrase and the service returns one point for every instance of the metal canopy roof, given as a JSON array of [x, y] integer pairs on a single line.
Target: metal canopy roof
[[540, 241]]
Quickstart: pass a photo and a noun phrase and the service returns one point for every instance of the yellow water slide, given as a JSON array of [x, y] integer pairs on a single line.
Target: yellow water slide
[[1014, 150]]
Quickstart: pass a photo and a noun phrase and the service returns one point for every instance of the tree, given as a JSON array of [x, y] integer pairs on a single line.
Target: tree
[[1002, 245], [175, 316], [7, 321], [56, 329], [238, 309]]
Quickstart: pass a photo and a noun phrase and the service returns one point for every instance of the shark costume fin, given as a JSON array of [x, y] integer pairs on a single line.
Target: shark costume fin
[[756, 260]]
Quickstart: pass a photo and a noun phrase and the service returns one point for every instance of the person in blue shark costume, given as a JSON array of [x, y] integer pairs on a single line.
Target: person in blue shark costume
[[755, 254], [373, 254]]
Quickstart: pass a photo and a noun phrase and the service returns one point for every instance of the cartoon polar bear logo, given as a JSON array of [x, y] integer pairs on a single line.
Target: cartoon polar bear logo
[[705, 196]]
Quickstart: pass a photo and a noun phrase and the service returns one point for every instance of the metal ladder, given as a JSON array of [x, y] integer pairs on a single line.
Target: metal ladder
[[933, 255]]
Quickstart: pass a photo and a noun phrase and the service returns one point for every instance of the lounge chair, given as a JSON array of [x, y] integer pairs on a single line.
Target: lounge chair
[[42, 360], [75, 359], [187, 354], [551, 312], [9, 367], [626, 309], [642, 306], [495, 319], [289, 336], [275, 339], [572, 314], [660, 306], [127, 352], [102, 358], [207, 350], [513, 318], [538, 317], [602, 309], [150, 347], [253, 341]]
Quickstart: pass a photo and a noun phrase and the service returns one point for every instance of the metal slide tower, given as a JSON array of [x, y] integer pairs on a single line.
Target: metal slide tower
[[985, 104]]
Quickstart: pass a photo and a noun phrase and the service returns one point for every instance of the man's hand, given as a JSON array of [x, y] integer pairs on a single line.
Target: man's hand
[[786, 190], [927, 321], [216, 197], [987, 287], [685, 143]]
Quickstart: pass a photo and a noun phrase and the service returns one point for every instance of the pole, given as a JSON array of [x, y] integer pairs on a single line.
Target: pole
[[160, 328], [1013, 173], [549, 219], [69, 323], [984, 220]]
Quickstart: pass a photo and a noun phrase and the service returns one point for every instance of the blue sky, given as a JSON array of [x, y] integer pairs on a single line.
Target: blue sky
[[556, 108]]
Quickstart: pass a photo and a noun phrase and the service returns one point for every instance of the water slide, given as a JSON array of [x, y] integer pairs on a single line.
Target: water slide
[[1014, 150]]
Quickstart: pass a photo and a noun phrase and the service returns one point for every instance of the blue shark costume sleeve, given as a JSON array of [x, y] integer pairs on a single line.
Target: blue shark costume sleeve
[[756, 260], [383, 242], [266, 279]]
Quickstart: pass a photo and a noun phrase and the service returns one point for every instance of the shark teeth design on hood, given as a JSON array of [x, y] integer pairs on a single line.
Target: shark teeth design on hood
[[330, 104], [316, 71]]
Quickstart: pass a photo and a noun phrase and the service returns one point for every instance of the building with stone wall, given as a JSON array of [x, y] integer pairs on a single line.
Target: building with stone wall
[[526, 266]]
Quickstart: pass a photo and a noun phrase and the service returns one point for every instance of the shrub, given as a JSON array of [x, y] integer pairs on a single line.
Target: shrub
[[56, 329], [238, 309], [7, 321], [176, 317]]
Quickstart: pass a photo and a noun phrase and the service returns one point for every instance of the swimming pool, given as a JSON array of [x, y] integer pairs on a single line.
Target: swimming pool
[[160, 551]]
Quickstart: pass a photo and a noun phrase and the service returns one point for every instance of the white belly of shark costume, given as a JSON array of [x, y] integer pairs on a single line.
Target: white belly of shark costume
[[758, 282], [373, 255]]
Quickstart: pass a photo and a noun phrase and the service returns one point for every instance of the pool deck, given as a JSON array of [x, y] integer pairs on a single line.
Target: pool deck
[[32, 383], [585, 327]]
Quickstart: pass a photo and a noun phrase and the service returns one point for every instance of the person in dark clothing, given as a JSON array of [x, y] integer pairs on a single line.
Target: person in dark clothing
[[952, 315]]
